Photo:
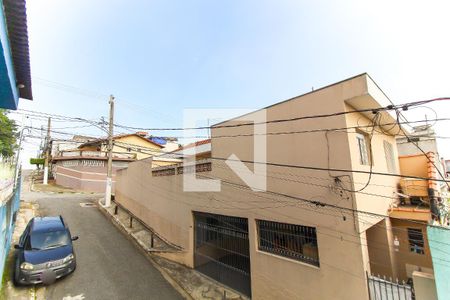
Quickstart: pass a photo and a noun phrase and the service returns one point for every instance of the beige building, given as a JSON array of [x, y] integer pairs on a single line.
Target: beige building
[[302, 238]]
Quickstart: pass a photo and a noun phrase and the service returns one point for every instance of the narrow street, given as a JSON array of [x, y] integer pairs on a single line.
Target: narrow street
[[108, 264]]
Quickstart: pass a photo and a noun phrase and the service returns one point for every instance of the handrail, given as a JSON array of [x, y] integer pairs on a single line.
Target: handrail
[[144, 224]]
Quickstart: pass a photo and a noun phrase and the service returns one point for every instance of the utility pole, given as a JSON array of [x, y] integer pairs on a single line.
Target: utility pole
[[110, 148], [47, 151]]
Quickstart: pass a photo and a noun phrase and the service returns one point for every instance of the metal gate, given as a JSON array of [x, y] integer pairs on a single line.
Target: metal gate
[[384, 289], [222, 250]]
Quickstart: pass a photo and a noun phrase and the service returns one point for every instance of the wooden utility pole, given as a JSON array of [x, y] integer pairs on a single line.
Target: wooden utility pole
[[110, 148], [47, 151]]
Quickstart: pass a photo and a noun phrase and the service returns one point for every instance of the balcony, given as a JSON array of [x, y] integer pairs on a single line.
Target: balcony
[[102, 155], [414, 187]]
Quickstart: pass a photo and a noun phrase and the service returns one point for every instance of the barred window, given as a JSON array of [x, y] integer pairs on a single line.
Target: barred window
[[415, 239], [293, 241]]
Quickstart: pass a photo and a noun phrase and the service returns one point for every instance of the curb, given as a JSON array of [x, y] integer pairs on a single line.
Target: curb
[[171, 280]]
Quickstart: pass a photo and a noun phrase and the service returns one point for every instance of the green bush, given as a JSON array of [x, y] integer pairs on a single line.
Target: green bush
[[37, 161]]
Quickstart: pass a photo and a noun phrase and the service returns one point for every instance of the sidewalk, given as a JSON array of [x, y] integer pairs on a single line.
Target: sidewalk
[[189, 282], [52, 187]]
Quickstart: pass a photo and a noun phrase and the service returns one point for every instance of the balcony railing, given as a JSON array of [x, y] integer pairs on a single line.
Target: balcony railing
[[414, 187], [94, 154]]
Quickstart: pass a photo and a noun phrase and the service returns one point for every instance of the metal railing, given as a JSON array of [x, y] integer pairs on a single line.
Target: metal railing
[[387, 289], [292, 241], [178, 169]]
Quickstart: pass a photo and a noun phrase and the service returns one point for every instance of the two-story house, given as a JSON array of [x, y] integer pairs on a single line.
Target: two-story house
[[316, 224]]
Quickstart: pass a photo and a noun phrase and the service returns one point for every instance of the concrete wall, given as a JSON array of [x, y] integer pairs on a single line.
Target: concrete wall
[[79, 176], [424, 286], [382, 254], [439, 238], [341, 235], [8, 207], [162, 204]]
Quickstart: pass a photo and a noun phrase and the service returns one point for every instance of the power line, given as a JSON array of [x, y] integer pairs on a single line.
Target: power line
[[296, 166], [372, 110], [318, 203], [404, 106], [246, 188], [423, 152], [343, 129]]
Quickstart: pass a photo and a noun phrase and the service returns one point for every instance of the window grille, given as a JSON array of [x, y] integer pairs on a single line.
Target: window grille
[[415, 239], [292, 241]]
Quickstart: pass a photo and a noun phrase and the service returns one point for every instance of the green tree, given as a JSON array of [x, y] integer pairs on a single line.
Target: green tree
[[8, 135]]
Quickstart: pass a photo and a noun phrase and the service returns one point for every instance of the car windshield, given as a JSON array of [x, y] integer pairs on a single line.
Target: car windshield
[[49, 240]]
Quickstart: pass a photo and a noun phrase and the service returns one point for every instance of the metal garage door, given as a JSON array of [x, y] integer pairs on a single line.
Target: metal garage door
[[222, 250]]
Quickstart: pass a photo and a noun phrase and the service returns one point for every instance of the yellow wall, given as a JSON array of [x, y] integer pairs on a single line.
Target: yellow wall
[[137, 141], [416, 165]]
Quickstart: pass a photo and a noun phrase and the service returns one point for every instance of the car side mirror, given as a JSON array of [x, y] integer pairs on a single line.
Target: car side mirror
[[74, 238], [17, 247]]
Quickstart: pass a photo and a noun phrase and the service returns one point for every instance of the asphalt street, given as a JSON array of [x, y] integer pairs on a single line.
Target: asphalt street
[[109, 266]]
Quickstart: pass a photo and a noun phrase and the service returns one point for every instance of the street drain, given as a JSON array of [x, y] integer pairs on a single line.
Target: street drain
[[87, 204]]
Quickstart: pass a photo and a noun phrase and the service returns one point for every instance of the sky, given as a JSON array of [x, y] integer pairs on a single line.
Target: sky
[[161, 57]]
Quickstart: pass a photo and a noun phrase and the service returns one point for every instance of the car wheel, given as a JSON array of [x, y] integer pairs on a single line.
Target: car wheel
[[16, 275]]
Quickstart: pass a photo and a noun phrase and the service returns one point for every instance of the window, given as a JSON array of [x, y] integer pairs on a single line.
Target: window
[[288, 240], [390, 158], [415, 239], [363, 143], [48, 240]]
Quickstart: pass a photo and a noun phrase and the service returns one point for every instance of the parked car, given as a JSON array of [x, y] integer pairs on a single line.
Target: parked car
[[45, 252]]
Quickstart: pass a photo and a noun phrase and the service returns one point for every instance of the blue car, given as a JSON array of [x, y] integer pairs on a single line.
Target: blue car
[[45, 252]]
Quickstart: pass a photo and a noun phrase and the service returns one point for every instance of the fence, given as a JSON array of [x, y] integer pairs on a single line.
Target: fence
[[8, 211], [384, 289], [200, 166]]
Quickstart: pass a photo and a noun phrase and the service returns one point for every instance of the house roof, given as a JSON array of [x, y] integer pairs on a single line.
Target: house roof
[[192, 145], [16, 22], [116, 137]]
